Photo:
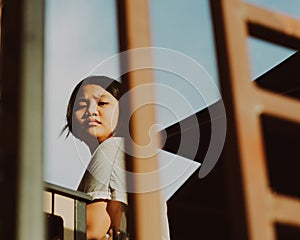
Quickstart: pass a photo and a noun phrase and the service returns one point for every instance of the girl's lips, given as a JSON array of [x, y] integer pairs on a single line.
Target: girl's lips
[[92, 122]]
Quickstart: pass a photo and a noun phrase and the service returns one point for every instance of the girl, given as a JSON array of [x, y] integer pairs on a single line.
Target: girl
[[92, 117]]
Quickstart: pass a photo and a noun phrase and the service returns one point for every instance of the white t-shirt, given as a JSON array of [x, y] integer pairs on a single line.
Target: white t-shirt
[[105, 177]]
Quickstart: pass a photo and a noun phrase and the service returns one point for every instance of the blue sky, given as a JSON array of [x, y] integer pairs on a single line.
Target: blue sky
[[82, 33]]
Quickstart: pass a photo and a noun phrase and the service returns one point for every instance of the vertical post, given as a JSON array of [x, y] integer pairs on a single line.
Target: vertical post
[[246, 130], [1, 7], [79, 220], [21, 120], [30, 200], [10, 109], [134, 26], [52, 202]]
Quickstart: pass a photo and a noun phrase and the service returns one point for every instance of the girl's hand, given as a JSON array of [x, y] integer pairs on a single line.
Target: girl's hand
[[110, 232]]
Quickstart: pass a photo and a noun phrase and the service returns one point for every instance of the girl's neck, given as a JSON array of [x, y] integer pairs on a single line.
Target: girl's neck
[[93, 145]]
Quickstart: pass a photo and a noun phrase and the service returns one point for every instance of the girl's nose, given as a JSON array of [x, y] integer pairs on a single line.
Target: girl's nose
[[93, 109]]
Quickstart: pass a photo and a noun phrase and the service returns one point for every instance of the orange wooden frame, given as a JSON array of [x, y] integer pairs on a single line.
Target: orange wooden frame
[[234, 22]]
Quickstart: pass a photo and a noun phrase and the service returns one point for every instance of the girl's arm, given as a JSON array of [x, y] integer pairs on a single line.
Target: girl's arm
[[115, 210], [97, 220]]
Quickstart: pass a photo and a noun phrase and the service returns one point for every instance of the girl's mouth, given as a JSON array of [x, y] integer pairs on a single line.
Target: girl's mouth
[[92, 121]]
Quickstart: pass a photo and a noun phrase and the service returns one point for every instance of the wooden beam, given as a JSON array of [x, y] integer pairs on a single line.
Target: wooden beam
[[285, 209], [277, 105], [134, 25], [273, 26]]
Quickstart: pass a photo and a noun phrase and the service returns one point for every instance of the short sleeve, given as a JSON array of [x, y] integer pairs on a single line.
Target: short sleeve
[[118, 178], [105, 177]]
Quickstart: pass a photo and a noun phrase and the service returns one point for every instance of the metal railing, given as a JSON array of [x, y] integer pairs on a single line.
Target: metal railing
[[80, 201]]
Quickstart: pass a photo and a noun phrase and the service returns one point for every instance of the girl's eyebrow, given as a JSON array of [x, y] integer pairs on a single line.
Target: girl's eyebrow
[[104, 95], [81, 99]]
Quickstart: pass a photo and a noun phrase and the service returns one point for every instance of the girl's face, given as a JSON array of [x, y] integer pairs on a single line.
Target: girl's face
[[95, 114]]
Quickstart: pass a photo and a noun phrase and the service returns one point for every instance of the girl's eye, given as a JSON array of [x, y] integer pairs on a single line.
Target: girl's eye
[[101, 103], [80, 105]]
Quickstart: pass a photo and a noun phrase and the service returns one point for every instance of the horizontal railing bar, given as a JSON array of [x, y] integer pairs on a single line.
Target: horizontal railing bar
[[50, 187]]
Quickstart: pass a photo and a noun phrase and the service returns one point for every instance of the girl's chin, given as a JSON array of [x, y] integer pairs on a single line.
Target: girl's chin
[[91, 138], [88, 137]]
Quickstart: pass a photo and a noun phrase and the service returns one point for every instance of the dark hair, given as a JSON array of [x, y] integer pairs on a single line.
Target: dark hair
[[112, 86]]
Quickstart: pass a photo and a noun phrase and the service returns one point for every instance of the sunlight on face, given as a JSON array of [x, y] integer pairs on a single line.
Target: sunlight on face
[[95, 114]]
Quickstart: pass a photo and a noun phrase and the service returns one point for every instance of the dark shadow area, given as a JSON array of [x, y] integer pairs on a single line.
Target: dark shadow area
[[201, 207], [175, 131], [286, 232], [54, 227], [284, 78], [282, 140], [198, 210], [281, 137]]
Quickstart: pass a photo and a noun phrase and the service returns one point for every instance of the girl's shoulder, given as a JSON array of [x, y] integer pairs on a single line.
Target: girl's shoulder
[[110, 146]]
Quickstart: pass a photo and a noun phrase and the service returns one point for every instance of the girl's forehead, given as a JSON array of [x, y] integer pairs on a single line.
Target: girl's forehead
[[93, 90]]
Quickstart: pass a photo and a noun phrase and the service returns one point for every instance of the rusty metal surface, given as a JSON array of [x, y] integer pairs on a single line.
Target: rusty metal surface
[[245, 104], [273, 104], [271, 25], [134, 30], [285, 209]]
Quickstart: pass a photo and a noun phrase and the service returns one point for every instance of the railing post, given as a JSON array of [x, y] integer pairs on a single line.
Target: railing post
[[79, 220]]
